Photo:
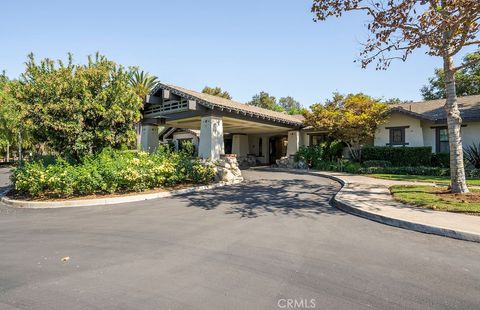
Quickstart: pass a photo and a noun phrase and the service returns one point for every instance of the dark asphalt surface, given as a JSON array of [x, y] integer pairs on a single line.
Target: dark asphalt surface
[[248, 246]]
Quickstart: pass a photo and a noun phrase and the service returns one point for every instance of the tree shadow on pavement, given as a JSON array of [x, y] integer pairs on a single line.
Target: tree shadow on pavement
[[296, 197]]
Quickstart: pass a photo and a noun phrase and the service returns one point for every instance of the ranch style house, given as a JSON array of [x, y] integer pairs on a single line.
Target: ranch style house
[[218, 126]]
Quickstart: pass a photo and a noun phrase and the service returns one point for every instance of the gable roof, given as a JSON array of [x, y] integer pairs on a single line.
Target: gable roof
[[213, 102], [433, 110]]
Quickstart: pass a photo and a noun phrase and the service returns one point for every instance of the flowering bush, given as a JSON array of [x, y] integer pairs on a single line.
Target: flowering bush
[[110, 172]]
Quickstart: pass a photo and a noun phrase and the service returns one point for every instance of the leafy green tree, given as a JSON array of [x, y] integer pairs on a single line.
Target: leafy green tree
[[264, 100], [291, 105], [14, 130], [467, 79], [78, 109], [394, 101], [142, 82], [441, 28], [3, 79], [216, 91], [352, 119]]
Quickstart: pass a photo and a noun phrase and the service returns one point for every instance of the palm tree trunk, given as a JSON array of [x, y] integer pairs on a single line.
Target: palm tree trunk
[[454, 121]]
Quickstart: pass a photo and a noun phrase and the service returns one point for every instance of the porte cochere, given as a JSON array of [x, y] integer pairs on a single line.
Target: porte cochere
[[217, 126]]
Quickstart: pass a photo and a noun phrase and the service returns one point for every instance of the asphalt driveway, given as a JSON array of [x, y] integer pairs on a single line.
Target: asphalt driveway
[[249, 246]]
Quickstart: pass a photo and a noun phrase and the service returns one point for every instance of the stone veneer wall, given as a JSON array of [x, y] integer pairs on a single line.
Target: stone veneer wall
[[227, 169]]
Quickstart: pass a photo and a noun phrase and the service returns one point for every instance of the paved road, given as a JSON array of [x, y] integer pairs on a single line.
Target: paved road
[[244, 247]]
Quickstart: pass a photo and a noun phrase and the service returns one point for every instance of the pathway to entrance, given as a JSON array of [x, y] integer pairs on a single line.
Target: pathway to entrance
[[248, 246]]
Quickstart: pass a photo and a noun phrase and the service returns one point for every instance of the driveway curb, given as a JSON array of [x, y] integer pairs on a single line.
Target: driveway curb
[[396, 222], [106, 201]]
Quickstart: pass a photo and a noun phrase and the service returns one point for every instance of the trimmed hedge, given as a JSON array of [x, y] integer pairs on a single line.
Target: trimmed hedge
[[418, 170], [441, 160], [339, 166], [399, 156], [377, 163]]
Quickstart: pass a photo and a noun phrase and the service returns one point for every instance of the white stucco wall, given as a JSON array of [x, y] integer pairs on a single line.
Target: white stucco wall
[[211, 138], [471, 134], [429, 135], [149, 138], [413, 134], [240, 145], [304, 138], [294, 142]]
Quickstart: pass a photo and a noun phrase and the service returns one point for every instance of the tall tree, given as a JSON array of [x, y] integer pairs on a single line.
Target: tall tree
[[79, 109], [352, 119], [142, 82], [467, 80], [216, 91], [264, 100], [290, 105], [399, 27]]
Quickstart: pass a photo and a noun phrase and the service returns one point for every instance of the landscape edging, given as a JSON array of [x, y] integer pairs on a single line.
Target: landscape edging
[[106, 201], [349, 208]]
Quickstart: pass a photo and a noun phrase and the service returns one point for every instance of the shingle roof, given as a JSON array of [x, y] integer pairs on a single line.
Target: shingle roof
[[231, 105], [433, 110]]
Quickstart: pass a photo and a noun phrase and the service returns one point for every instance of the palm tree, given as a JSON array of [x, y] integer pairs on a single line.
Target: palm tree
[[142, 83]]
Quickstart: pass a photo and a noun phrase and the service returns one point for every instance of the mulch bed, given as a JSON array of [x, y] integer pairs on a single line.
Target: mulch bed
[[472, 197]]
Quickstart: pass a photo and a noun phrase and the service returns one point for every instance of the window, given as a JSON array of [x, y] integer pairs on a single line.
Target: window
[[442, 140], [318, 138], [260, 147], [397, 135]]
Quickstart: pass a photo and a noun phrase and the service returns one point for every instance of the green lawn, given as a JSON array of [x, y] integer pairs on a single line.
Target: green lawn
[[437, 198], [420, 178]]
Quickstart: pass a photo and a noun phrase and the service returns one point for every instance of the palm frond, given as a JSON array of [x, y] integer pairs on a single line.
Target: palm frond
[[472, 154]]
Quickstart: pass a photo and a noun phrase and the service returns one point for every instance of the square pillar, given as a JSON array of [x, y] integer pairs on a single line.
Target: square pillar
[[149, 138], [211, 144], [240, 145], [293, 142]]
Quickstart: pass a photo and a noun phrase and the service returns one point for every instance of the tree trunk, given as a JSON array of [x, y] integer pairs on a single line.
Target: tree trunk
[[454, 121], [8, 152], [19, 146]]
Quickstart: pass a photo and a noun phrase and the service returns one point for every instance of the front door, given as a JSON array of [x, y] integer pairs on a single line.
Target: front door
[[277, 148]]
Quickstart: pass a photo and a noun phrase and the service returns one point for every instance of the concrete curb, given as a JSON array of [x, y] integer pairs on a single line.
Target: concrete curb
[[106, 201], [396, 222]]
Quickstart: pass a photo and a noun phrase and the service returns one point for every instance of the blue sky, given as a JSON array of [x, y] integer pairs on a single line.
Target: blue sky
[[242, 46]]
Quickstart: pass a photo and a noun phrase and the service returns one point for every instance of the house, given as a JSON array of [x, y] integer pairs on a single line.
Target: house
[[217, 126], [224, 126], [425, 124]]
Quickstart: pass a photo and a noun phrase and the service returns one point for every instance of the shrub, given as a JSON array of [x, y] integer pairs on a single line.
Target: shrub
[[324, 152], [441, 160], [472, 155], [109, 172], [399, 156], [377, 163], [474, 173], [419, 170], [340, 166]]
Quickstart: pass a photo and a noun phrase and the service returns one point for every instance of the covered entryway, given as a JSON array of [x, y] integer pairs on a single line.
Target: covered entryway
[[278, 147], [225, 125]]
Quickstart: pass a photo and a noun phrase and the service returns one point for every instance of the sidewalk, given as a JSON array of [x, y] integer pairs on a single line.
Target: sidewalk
[[370, 198]]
